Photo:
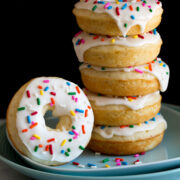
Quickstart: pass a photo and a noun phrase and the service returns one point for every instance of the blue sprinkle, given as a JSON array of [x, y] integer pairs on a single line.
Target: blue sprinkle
[[153, 119], [154, 32], [89, 164], [164, 65], [132, 17], [88, 65], [120, 0], [68, 83], [124, 163], [46, 88], [79, 110], [158, 113], [109, 7], [124, 6], [160, 62], [146, 122], [77, 42], [29, 119], [62, 151], [101, 2], [71, 133], [102, 127]]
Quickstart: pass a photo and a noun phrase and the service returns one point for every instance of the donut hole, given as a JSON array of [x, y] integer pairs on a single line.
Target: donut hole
[[57, 123]]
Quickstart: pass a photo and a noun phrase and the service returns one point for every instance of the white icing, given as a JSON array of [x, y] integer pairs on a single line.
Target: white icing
[[159, 69], [64, 103], [109, 132], [140, 17], [138, 103], [84, 41]]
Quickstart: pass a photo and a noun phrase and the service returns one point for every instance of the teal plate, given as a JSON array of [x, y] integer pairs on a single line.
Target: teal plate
[[165, 156]]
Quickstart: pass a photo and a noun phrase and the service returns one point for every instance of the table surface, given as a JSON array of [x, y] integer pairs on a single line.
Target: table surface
[[9, 173]]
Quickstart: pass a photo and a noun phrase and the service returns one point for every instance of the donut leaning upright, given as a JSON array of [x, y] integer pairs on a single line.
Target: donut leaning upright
[[119, 48]]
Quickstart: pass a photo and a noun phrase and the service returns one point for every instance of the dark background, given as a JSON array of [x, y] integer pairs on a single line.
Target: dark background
[[39, 43]]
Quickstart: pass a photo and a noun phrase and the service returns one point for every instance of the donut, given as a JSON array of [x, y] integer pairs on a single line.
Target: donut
[[26, 125], [111, 51], [117, 111], [117, 18], [131, 81], [127, 140]]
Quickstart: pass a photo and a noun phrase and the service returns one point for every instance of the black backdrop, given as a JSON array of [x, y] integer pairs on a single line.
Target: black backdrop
[[39, 43]]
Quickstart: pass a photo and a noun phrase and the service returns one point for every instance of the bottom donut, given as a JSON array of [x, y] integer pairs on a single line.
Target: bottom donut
[[127, 140]]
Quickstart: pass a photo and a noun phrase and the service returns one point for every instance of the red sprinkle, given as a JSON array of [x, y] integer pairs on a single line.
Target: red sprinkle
[[33, 125], [117, 11], [89, 107], [50, 140], [121, 159], [52, 101], [123, 126], [75, 163], [131, 7], [150, 67], [40, 87], [40, 145], [51, 149], [34, 113], [141, 36], [28, 94], [53, 93], [86, 113], [47, 148], [83, 129]]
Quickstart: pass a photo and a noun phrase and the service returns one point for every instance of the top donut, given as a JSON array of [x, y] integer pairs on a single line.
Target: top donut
[[118, 17]]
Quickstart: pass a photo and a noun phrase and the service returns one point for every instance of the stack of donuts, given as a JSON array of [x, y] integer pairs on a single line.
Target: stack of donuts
[[123, 75]]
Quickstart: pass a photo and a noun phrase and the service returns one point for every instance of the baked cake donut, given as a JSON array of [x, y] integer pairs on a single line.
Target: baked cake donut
[[117, 18], [117, 51], [26, 125], [118, 111], [131, 81], [126, 140]]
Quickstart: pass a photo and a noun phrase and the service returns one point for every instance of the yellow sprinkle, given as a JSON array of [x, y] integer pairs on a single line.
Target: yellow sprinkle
[[161, 64], [130, 99], [135, 36], [63, 142], [107, 166], [117, 2], [36, 136], [146, 67], [72, 113], [41, 92], [113, 40], [139, 124]]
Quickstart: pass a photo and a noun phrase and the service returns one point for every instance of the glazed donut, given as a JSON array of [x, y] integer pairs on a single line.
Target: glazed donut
[[131, 81], [112, 51], [112, 17], [26, 125], [117, 111], [130, 139]]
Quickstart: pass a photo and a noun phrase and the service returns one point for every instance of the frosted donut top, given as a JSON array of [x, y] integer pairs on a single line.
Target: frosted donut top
[[83, 41], [133, 102], [66, 99], [109, 132], [125, 13], [157, 67]]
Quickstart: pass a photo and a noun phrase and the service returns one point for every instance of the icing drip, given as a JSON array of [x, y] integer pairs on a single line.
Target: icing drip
[[157, 67], [134, 103], [125, 14], [84, 41], [109, 132]]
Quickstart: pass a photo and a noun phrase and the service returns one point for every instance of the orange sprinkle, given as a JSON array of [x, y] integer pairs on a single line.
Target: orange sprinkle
[[131, 8], [47, 148], [33, 125], [150, 67], [50, 140], [132, 97], [83, 129], [123, 126], [24, 130], [102, 39], [40, 87], [40, 145], [89, 107], [52, 101], [77, 89], [86, 113]]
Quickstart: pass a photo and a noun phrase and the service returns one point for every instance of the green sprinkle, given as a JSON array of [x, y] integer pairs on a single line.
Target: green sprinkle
[[36, 148], [103, 68], [21, 108], [70, 140], [81, 147], [137, 8], [167, 73], [125, 25], [66, 153], [150, 10], [73, 127], [68, 149], [94, 8], [131, 126], [72, 93], [38, 101], [105, 160]]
